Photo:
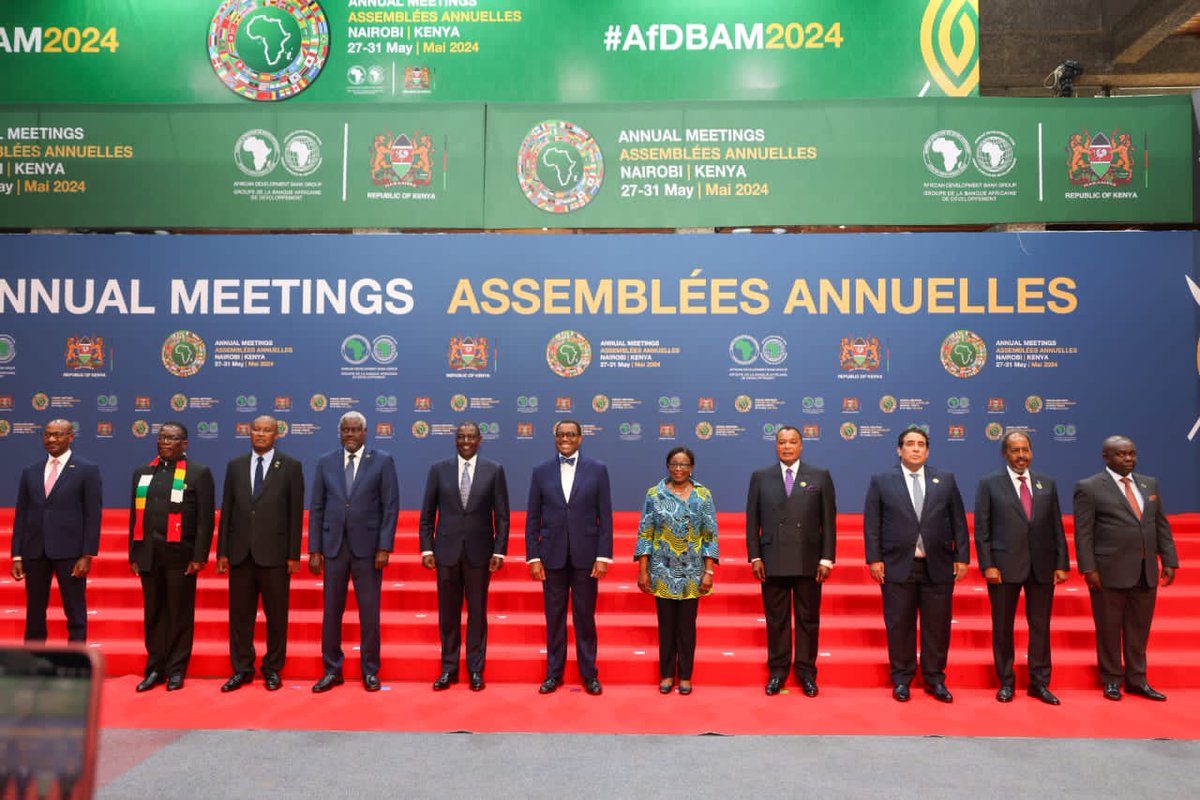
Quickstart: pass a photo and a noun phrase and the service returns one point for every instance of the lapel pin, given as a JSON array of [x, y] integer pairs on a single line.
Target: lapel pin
[[935, 480], [1038, 485], [803, 484]]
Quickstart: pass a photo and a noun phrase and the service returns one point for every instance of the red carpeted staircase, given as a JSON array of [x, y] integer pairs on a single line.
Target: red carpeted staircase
[[732, 640]]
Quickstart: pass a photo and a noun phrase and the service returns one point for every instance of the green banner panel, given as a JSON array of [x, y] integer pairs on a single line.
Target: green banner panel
[[883, 162], [546, 51], [228, 167]]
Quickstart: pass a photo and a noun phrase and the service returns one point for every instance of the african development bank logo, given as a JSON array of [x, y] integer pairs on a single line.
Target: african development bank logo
[[560, 167], [950, 45], [963, 354], [268, 49]]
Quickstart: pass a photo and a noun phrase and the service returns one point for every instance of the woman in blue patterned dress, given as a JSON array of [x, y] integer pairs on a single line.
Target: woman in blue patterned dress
[[676, 551]]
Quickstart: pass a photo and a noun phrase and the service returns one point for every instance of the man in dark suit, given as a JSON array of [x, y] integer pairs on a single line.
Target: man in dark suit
[[568, 546], [1021, 545], [258, 544], [917, 546], [56, 532], [351, 530], [791, 538], [464, 535], [170, 531], [1121, 535]]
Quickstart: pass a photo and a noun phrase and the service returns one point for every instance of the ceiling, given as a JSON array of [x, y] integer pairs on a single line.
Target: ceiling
[[1125, 46]]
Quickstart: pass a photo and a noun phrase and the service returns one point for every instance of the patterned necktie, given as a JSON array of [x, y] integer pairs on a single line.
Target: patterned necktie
[[464, 485], [52, 477], [1026, 497], [1131, 497], [788, 481], [918, 504], [258, 478], [349, 473]]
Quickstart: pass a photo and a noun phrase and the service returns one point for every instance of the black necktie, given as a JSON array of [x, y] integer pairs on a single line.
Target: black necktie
[[258, 477], [565, 460]]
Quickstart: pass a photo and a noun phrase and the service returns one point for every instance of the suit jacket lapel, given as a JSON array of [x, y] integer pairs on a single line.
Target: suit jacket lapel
[[900, 480], [1118, 495]]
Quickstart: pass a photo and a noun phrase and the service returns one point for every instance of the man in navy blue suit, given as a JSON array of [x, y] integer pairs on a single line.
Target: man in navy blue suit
[[568, 546], [56, 532], [351, 530], [917, 546], [464, 535]]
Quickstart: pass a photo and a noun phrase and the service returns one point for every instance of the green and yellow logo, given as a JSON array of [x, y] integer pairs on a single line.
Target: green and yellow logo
[[950, 45]]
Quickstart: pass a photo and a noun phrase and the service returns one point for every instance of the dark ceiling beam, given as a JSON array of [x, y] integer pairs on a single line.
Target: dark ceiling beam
[[1147, 24]]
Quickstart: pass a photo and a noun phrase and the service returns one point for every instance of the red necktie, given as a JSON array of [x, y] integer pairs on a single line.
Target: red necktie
[[1026, 497], [1131, 498]]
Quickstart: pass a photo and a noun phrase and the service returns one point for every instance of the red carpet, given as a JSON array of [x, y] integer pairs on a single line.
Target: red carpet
[[732, 639]]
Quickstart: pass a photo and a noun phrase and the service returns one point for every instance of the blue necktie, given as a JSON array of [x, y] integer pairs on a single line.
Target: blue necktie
[[565, 460], [258, 478], [349, 473]]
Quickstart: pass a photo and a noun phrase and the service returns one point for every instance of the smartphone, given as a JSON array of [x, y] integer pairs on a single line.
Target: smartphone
[[49, 715]]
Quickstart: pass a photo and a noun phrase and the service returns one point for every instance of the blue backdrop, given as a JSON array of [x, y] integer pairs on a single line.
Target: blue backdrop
[[651, 341]]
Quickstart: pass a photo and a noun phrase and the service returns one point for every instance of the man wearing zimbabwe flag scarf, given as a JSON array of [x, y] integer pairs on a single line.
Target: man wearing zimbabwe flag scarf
[[171, 514]]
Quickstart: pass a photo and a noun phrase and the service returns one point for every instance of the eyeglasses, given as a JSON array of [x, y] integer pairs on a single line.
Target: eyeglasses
[[566, 435], [359, 429], [680, 465], [169, 437]]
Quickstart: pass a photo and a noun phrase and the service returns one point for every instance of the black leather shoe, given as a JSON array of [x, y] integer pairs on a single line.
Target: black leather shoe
[[444, 682], [1043, 694], [940, 693], [327, 682], [236, 682], [809, 686], [149, 682], [175, 683], [1112, 691], [592, 685], [549, 685], [685, 690], [666, 685], [272, 681], [900, 693], [476, 682], [371, 683], [774, 684], [1145, 691], [1005, 694]]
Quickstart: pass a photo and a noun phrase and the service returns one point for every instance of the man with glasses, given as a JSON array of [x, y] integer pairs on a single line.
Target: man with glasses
[[351, 530], [171, 515], [568, 546], [56, 532], [464, 535]]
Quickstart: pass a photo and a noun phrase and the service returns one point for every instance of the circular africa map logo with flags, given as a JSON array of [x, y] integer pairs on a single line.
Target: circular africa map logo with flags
[[560, 167], [268, 49]]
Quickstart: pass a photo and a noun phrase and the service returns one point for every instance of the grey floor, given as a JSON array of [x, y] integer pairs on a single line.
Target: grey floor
[[295, 764]]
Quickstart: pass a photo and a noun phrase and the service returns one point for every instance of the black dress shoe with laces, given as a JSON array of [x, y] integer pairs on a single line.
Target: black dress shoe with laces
[[327, 682], [371, 683], [809, 686], [1005, 694], [1043, 694], [1145, 691], [272, 681], [940, 693], [150, 681], [1112, 691], [237, 681], [444, 681], [476, 682], [549, 685], [900, 693], [774, 684], [175, 683], [592, 685]]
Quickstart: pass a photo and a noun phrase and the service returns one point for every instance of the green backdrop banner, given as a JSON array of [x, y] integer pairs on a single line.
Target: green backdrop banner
[[201, 51], [880, 162]]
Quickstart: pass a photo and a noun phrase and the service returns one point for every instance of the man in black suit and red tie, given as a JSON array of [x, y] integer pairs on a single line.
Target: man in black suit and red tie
[[917, 546], [1021, 547], [56, 532], [170, 531], [464, 535], [258, 544], [568, 546], [1121, 536], [791, 540]]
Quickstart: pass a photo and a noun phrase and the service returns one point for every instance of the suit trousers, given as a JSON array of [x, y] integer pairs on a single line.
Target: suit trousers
[[169, 602], [1122, 618], [783, 596], [676, 636], [72, 591], [901, 604], [581, 589], [368, 586], [454, 583], [247, 582], [1039, 599]]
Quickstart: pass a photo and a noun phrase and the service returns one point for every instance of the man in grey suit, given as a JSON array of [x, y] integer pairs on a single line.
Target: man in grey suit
[[917, 546], [1121, 535], [791, 537], [351, 530], [464, 535], [1021, 546]]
